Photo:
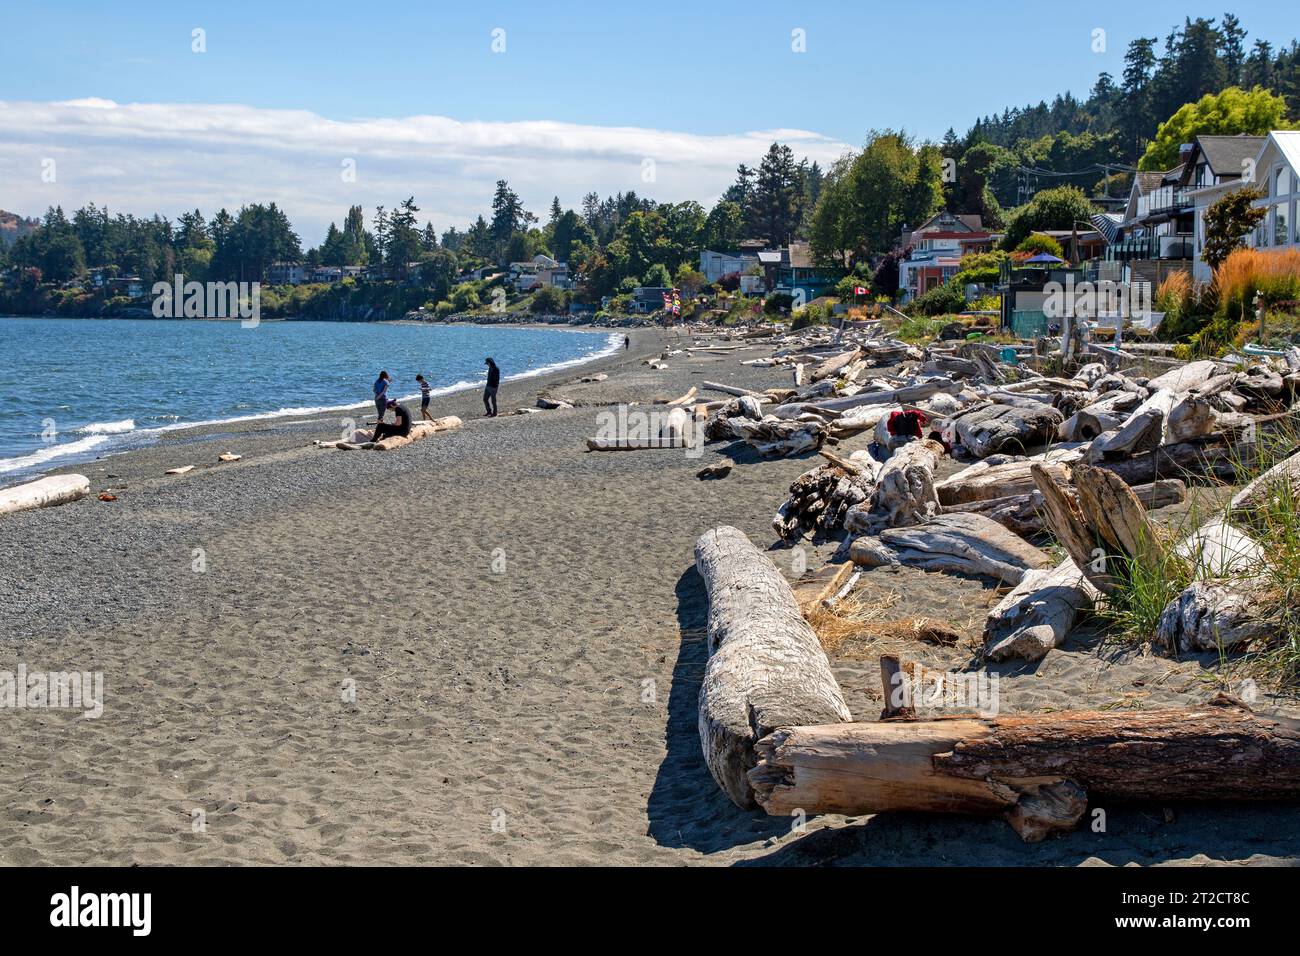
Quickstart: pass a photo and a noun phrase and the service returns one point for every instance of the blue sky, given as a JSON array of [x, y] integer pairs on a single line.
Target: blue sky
[[716, 72]]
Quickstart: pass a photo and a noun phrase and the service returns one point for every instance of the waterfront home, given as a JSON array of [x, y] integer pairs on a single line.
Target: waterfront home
[[539, 271], [1156, 237], [1277, 172], [938, 245], [286, 273], [1215, 166], [130, 286], [648, 298], [715, 265], [796, 275]]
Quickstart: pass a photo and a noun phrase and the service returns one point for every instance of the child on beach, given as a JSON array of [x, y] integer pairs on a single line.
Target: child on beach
[[381, 396], [424, 398]]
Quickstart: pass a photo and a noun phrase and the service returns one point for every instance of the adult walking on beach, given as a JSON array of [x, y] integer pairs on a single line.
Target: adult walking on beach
[[402, 427], [381, 396], [490, 391], [424, 398]]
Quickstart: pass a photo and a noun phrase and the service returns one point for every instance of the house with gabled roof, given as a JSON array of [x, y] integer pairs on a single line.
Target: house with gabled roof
[[1215, 166]]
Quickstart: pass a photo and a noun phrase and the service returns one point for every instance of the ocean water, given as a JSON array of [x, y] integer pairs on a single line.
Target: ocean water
[[76, 389]]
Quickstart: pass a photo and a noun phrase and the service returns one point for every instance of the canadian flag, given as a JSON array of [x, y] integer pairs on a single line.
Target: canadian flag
[[859, 290]]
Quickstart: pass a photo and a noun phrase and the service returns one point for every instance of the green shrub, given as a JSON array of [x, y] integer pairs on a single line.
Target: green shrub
[[941, 300]]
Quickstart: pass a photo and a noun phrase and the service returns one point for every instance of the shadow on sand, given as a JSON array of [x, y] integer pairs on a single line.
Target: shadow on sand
[[686, 808]]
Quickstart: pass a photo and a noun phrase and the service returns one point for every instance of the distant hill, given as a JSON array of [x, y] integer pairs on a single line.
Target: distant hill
[[14, 226]]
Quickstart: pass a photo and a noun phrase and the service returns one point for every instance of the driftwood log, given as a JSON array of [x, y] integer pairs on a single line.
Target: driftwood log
[[1037, 771], [957, 543], [1023, 514], [985, 480], [44, 493], [1038, 614], [766, 668], [986, 430], [1097, 520], [907, 394], [1216, 616], [904, 492], [1281, 483]]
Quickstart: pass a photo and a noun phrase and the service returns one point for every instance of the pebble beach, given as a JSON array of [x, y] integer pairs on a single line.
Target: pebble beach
[[484, 648]]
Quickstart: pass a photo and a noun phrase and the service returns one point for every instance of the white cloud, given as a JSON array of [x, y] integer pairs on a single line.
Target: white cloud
[[165, 157]]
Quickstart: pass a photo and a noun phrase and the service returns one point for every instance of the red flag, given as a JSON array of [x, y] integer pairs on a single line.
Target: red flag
[[859, 290]]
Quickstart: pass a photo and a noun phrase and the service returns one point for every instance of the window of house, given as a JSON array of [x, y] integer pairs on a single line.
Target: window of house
[[1283, 182], [1282, 224]]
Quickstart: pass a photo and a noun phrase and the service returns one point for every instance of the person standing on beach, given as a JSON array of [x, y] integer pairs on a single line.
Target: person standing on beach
[[627, 342], [490, 391], [381, 396], [424, 398]]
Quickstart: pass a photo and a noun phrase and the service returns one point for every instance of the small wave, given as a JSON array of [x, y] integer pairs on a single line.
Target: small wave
[[108, 428], [50, 453]]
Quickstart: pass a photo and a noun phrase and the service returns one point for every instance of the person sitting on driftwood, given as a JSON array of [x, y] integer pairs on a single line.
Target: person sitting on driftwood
[[402, 428]]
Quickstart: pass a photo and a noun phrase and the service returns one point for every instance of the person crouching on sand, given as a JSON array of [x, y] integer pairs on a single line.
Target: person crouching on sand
[[490, 391], [402, 428], [381, 396], [424, 398]]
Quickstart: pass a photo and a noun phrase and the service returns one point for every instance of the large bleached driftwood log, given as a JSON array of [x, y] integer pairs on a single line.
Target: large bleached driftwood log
[[832, 366], [1038, 614], [956, 543], [1186, 377], [1281, 483], [766, 667], [1216, 616], [1038, 771], [983, 481], [44, 493], [988, 429], [1143, 430], [1023, 514], [419, 430], [776, 438], [904, 493]]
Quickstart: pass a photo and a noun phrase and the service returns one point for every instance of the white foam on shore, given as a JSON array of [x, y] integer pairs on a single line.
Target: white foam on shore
[[50, 453], [108, 428], [100, 432]]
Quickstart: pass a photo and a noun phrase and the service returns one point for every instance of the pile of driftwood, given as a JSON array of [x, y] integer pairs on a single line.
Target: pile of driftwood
[[1197, 422], [776, 732]]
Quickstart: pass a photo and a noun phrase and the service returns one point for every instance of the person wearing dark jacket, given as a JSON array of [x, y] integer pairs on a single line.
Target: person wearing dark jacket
[[402, 428], [490, 390]]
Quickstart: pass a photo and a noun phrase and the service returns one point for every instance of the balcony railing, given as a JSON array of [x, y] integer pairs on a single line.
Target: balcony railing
[[1151, 247], [1164, 199]]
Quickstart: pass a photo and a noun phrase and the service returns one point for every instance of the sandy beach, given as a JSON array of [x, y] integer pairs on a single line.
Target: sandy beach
[[483, 648]]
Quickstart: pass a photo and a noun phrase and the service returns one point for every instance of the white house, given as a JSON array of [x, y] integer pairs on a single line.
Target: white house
[[715, 265], [286, 273], [1273, 167], [1277, 171], [1214, 166], [539, 271]]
